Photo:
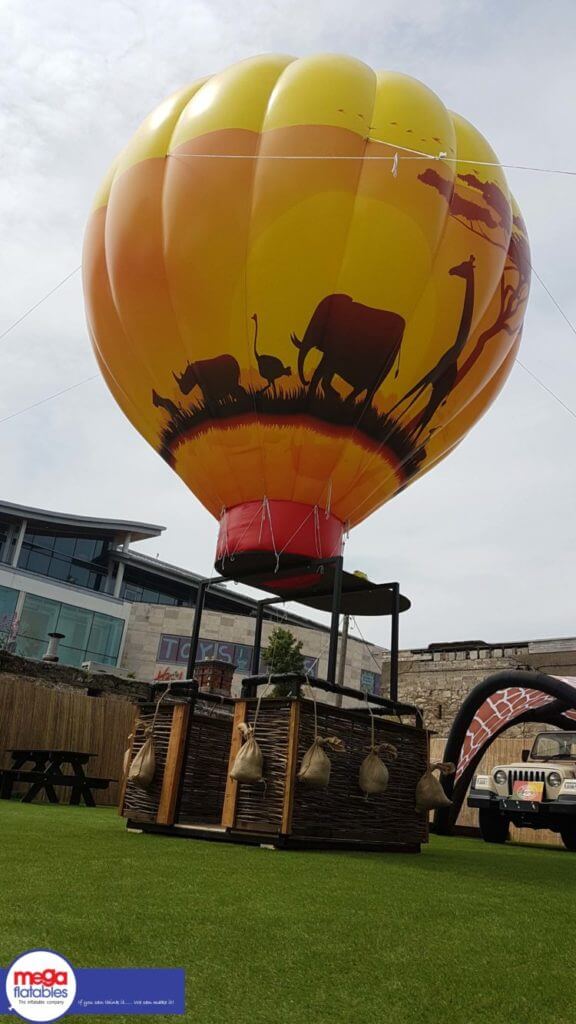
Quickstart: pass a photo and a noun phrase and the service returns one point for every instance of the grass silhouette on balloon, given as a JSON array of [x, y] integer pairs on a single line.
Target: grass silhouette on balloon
[[292, 406]]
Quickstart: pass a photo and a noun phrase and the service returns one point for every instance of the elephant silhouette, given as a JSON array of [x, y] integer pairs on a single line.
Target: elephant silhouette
[[217, 378], [358, 343]]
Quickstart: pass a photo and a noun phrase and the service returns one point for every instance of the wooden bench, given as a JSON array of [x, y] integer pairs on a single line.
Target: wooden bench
[[81, 785]]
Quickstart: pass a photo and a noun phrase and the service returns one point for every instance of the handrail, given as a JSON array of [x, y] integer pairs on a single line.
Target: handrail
[[383, 704]]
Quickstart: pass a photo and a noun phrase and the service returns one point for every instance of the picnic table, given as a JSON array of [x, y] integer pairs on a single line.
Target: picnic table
[[47, 772]]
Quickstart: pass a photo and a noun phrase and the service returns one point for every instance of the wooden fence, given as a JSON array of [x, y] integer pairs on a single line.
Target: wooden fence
[[503, 751], [36, 716]]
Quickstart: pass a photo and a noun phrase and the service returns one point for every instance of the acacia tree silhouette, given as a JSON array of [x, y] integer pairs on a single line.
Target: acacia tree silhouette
[[497, 217]]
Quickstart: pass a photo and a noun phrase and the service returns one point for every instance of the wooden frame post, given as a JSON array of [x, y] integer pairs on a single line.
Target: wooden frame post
[[173, 766], [229, 806], [291, 765]]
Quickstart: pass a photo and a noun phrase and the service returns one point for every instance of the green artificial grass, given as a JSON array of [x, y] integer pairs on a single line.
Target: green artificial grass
[[464, 933]]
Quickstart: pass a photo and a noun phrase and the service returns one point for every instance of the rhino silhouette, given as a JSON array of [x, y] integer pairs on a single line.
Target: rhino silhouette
[[217, 378]]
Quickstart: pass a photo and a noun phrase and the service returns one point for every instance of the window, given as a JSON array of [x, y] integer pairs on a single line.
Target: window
[[143, 587], [370, 681], [64, 546], [88, 635], [37, 562], [76, 624], [85, 549], [105, 637], [39, 617], [3, 538], [82, 561], [8, 625]]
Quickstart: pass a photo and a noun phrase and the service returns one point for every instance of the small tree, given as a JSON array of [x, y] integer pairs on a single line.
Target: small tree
[[283, 653]]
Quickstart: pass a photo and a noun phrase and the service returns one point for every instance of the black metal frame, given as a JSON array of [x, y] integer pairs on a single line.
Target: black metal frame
[[384, 705], [314, 565]]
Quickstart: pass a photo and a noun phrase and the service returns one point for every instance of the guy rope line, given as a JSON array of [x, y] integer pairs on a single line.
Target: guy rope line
[[411, 154]]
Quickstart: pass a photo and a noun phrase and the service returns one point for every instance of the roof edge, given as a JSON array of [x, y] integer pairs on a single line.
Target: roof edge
[[140, 531]]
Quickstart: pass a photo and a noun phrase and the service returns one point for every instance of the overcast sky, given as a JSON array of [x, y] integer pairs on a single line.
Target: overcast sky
[[485, 545]]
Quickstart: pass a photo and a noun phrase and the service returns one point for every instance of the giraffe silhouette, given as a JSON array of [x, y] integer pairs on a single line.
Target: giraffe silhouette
[[442, 376]]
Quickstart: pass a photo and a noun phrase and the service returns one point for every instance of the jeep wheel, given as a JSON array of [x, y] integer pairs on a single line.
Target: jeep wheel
[[568, 833], [494, 828]]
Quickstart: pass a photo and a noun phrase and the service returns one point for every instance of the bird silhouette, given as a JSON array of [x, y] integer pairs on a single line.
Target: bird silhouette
[[269, 367]]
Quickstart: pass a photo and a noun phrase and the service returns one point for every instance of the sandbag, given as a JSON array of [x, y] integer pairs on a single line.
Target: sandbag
[[143, 767], [315, 766], [429, 793], [249, 760], [374, 775]]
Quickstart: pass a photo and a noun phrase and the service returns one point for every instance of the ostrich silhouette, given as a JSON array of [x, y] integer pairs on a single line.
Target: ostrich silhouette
[[269, 367]]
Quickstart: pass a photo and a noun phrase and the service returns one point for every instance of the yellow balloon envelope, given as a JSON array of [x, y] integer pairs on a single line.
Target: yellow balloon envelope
[[305, 281]]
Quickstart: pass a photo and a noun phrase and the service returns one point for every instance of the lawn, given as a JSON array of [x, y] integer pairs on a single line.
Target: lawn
[[464, 933]]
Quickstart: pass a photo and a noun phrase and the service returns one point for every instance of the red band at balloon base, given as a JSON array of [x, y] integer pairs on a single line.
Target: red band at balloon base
[[267, 532]]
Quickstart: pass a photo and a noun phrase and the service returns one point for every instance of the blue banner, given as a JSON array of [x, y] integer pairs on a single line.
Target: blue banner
[[120, 990]]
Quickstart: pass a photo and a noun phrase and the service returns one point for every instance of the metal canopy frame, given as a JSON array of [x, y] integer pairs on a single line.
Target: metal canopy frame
[[317, 564]]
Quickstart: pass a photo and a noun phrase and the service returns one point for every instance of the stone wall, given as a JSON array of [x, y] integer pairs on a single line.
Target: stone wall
[[438, 681], [13, 668]]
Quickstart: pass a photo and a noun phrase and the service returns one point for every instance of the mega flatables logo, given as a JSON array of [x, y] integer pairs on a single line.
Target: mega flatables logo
[[40, 985]]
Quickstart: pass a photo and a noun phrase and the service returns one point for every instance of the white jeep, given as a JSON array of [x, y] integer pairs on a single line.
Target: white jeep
[[540, 792]]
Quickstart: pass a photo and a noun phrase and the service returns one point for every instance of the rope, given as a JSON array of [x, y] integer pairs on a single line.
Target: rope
[[259, 701], [166, 692], [372, 736], [366, 644], [224, 522], [412, 154], [317, 534], [39, 303], [313, 695], [277, 553], [329, 500], [241, 538]]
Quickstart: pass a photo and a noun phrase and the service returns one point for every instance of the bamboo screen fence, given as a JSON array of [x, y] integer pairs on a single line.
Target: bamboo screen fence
[[43, 718]]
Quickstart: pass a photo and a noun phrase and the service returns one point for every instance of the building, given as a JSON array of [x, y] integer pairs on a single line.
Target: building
[[114, 606], [437, 678]]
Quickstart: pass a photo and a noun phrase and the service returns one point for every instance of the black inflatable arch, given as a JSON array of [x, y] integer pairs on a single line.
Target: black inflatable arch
[[493, 706]]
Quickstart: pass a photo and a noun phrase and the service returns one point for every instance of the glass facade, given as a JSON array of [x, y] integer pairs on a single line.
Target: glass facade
[[88, 635], [69, 558], [139, 586], [8, 623], [3, 538]]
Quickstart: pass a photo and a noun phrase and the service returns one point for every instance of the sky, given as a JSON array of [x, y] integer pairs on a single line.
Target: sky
[[484, 545]]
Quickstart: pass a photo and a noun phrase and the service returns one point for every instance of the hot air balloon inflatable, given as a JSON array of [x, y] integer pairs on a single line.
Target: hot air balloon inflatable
[[305, 282]]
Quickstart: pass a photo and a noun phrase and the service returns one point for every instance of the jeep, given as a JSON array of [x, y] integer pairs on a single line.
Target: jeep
[[540, 792]]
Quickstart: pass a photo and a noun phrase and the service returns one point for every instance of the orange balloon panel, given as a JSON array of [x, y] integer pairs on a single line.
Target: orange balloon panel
[[304, 283]]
